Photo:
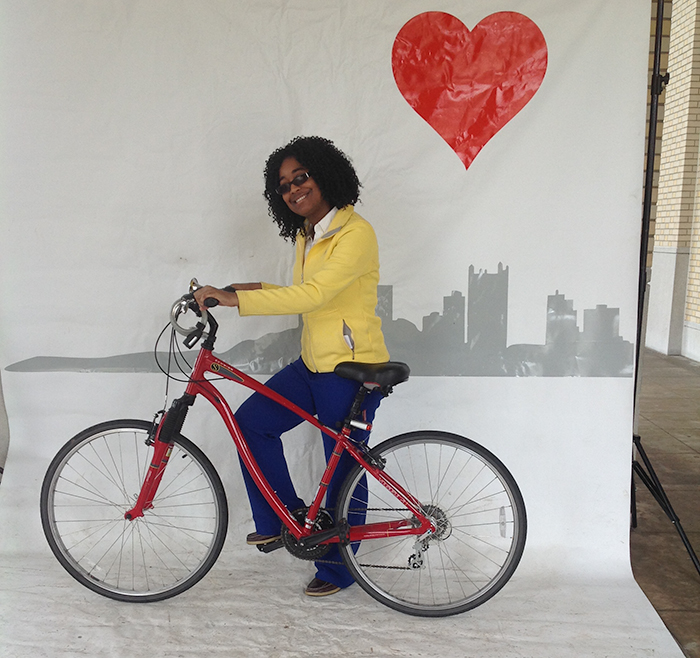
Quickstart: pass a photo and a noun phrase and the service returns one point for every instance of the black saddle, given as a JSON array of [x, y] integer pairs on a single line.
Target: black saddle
[[374, 375]]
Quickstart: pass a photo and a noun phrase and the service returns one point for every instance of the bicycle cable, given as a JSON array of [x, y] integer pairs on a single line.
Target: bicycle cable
[[176, 356]]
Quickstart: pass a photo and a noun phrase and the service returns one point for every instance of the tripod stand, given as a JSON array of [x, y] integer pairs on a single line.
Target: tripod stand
[[645, 470]]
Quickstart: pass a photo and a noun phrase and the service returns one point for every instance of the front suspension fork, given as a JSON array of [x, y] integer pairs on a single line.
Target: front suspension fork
[[169, 426]]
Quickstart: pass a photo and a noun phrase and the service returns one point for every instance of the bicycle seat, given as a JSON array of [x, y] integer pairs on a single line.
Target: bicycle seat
[[372, 375]]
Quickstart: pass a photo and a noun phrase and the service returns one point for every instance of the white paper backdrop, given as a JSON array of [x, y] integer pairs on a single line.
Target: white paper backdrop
[[134, 136]]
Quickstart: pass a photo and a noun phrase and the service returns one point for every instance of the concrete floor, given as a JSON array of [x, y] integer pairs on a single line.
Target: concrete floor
[[669, 426]]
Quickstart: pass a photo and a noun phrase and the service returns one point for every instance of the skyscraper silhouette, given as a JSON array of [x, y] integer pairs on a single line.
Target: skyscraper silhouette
[[487, 320]]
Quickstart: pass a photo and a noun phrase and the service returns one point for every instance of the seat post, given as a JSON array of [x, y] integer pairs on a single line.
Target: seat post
[[356, 407]]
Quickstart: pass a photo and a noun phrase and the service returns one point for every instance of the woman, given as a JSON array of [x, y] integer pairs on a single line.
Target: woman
[[311, 188]]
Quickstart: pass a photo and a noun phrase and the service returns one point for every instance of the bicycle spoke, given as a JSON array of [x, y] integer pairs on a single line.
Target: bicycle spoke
[[97, 478], [474, 547], [88, 486]]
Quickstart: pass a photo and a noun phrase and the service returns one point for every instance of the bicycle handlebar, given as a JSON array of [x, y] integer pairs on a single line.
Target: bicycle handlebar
[[181, 307], [188, 303], [211, 302]]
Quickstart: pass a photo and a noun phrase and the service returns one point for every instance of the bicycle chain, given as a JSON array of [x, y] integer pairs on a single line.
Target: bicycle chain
[[371, 566]]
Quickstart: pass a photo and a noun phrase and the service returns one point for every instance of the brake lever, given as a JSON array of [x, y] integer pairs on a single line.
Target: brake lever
[[193, 306], [187, 302]]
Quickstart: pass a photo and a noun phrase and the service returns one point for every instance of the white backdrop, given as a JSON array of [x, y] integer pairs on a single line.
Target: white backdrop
[[134, 137]]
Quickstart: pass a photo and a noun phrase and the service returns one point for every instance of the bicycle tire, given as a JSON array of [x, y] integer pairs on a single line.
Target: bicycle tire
[[96, 477], [480, 516]]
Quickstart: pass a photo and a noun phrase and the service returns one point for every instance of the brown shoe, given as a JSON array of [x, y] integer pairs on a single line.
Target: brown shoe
[[256, 539], [320, 588]]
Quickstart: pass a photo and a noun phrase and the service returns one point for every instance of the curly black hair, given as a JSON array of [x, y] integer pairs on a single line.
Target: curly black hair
[[330, 168]]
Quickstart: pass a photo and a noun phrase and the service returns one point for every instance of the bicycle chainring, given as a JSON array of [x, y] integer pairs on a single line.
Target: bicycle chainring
[[324, 521]]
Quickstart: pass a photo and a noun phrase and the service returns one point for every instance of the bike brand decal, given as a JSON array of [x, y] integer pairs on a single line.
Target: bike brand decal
[[225, 372]]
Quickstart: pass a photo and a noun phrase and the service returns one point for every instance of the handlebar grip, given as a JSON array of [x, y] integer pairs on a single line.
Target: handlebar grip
[[210, 302]]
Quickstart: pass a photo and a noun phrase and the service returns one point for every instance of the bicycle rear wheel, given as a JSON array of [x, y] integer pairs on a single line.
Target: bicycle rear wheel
[[478, 511], [96, 477]]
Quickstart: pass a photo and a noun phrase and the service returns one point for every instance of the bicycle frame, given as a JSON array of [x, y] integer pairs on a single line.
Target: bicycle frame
[[207, 363]]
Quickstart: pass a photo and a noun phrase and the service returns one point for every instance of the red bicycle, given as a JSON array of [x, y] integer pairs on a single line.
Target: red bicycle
[[429, 523]]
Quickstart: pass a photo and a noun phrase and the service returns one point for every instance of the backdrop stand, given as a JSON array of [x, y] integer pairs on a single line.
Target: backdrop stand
[[645, 471]]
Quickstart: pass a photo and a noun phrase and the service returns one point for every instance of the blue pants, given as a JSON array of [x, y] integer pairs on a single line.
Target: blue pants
[[262, 421]]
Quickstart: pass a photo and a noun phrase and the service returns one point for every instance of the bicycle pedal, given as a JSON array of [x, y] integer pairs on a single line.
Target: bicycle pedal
[[272, 546]]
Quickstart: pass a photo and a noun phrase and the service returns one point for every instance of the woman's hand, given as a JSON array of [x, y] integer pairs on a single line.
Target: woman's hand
[[222, 296]]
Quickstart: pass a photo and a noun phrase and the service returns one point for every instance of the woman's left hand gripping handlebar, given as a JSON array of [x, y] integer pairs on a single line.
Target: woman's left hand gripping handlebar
[[208, 296]]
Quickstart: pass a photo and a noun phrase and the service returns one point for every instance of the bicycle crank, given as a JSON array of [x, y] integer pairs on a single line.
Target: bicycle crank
[[324, 521]]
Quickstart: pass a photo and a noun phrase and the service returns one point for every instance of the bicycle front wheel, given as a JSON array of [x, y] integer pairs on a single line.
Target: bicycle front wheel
[[96, 478], [477, 509]]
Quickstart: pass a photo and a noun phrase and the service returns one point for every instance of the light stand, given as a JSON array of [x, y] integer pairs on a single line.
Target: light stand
[[645, 470]]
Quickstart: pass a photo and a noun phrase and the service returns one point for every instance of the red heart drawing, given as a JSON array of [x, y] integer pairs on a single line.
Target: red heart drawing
[[468, 85]]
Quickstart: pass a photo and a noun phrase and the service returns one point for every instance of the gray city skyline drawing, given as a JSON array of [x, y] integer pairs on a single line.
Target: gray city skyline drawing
[[439, 348]]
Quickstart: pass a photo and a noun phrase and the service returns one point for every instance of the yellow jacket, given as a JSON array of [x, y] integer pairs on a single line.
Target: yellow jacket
[[335, 290]]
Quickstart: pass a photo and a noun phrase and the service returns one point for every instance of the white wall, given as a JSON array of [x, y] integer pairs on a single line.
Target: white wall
[[135, 136]]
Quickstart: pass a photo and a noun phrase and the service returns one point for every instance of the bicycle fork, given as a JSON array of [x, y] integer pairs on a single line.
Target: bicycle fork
[[164, 431]]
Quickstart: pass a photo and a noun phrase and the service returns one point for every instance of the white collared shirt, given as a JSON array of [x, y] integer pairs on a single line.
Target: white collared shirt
[[319, 230]]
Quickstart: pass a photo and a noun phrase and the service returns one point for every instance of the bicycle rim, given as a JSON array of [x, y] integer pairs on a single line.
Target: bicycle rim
[[476, 506], [96, 478]]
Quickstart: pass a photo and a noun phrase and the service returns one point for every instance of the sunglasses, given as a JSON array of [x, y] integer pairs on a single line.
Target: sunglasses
[[296, 181]]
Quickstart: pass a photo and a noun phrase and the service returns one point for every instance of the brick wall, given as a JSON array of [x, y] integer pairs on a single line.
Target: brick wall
[[692, 302], [676, 217], [661, 105], [677, 181]]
